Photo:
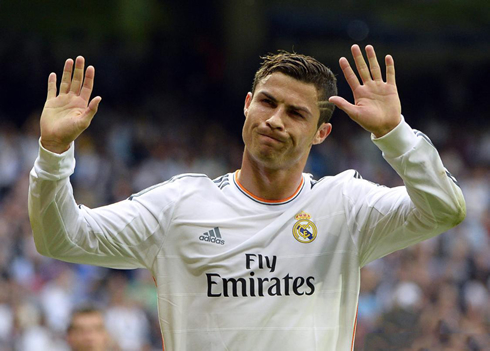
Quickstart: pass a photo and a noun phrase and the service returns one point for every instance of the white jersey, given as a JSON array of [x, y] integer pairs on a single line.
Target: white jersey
[[235, 272]]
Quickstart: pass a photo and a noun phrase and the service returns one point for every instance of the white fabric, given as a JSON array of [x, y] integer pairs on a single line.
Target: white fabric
[[283, 294]]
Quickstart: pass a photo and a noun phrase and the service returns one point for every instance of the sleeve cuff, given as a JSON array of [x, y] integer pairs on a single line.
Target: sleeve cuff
[[52, 166], [397, 142]]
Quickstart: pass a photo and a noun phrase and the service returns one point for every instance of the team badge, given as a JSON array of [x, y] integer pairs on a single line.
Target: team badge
[[304, 230]]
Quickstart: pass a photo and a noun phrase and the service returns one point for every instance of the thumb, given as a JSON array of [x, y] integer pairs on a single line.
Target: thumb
[[93, 106], [344, 105], [90, 112]]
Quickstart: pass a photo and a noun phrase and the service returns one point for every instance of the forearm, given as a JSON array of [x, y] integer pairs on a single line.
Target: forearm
[[384, 220], [65, 231], [433, 191], [49, 192], [52, 219]]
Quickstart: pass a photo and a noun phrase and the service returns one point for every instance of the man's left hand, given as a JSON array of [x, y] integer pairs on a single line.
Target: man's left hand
[[376, 105]]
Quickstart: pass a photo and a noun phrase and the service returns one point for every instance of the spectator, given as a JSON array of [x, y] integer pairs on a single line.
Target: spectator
[[87, 331]]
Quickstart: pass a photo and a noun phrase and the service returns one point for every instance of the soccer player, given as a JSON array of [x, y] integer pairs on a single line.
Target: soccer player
[[87, 331], [264, 258]]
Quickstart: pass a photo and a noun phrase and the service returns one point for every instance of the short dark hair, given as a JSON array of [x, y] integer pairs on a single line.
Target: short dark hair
[[306, 69], [81, 310]]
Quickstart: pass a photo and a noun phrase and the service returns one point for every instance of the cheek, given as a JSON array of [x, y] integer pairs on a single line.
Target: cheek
[[303, 137], [252, 119], [246, 130], [257, 111]]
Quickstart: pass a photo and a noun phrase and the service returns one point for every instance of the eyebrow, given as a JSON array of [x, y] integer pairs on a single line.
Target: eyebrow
[[294, 107]]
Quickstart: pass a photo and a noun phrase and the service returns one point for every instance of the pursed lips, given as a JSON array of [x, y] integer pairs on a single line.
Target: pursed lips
[[278, 139], [267, 133]]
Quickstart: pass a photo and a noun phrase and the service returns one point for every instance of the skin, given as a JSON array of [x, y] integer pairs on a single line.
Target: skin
[[281, 119], [272, 169], [88, 333], [376, 105], [277, 142], [66, 115]]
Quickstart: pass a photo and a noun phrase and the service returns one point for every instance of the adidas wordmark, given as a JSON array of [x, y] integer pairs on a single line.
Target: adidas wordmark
[[212, 236]]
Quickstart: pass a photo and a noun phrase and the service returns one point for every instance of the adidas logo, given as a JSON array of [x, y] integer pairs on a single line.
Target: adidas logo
[[212, 236]]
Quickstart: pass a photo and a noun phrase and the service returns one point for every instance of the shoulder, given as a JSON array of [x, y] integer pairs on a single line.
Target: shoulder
[[348, 184], [186, 183], [179, 185], [336, 180]]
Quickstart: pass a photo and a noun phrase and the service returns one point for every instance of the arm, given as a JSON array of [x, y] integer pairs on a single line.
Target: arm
[[383, 220], [127, 234], [122, 235]]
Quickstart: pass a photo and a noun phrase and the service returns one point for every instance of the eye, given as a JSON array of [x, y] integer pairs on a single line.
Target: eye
[[296, 114], [267, 101]]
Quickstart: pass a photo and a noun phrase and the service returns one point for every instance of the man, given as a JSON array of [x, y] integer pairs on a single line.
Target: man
[[87, 331], [265, 258]]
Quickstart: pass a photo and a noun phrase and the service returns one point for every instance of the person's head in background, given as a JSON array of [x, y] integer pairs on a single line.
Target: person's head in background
[[87, 330]]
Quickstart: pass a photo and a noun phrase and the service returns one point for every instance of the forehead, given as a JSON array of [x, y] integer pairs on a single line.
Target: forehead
[[87, 319], [288, 89]]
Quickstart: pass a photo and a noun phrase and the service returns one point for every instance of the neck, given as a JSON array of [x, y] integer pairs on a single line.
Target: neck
[[269, 183]]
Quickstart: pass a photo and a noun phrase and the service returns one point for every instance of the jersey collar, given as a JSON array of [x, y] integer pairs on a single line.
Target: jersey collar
[[265, 201]]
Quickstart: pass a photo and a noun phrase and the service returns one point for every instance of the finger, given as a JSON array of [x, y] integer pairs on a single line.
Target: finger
[[89, 113], [66, 77], [78, 75], [373, 63], [93, 106], [390, 70], [362, 68], [88, 83], [349, 74], [51, 86], [344, 105]]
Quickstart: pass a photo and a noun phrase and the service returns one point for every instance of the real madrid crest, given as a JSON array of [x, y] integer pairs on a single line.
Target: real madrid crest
[[304, 230]]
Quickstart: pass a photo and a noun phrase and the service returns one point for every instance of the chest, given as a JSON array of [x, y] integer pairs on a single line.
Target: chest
[[224, 237]]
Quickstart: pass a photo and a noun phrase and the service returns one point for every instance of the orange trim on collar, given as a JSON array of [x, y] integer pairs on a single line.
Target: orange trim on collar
[[265, 200]]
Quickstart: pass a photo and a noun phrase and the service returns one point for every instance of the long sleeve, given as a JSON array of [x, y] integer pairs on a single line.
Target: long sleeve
[[383, 220], [127, 234]]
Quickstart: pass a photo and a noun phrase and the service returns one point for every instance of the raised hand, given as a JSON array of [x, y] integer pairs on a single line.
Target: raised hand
[[376, 105], [66, 115]]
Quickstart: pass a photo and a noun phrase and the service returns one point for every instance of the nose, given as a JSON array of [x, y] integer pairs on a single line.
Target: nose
[[275, 121]]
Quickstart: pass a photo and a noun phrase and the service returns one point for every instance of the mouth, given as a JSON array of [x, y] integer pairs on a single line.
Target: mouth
[[270, 137]]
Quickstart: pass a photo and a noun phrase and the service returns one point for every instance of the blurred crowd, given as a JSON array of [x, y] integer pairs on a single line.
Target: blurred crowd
[[431, 296], [171, 71]]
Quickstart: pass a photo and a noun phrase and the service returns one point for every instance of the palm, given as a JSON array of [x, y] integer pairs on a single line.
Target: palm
[[67, 115], [376, 103]]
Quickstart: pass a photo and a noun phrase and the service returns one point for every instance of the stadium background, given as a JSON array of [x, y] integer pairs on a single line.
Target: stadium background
[[173, 77]]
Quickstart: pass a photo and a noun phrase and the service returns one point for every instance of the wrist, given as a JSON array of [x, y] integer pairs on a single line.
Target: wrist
[[397, 142], [56, 148], [378, 133]]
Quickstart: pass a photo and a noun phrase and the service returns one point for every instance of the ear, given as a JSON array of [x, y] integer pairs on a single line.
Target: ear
[[248, 100], [322, 133]]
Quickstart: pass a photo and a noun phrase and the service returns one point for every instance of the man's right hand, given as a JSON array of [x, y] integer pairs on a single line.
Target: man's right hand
[[67, 115]]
